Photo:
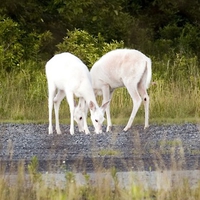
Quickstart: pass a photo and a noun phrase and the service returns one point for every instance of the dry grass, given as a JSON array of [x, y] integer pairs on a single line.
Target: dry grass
[[106, 185], [173, 96]]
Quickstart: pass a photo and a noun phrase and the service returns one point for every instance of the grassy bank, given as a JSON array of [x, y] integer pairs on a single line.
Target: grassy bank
[[174, 94]]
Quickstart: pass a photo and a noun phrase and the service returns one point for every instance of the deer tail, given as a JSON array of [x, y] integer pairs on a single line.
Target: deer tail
[[148, 72]]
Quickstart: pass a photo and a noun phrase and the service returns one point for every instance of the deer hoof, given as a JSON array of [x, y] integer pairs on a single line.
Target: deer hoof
[[109, 129], [87, 132], [146, 127], [126, 129]]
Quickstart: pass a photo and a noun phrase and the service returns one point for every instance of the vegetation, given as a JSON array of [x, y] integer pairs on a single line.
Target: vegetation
[[174, 93], [31, 32], [35, 186]]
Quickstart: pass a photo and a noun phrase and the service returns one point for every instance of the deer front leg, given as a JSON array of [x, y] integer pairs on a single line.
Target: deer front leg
[[70, 99], [82, 113], [57, 100], [86, 126], [85, 106], [106, 97]]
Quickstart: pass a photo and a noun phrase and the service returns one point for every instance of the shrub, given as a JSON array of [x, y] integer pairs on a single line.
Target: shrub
[[16, 45], [87, 47]]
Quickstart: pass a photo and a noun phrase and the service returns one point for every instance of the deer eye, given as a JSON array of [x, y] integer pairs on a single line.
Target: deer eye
[[96, 120], [80, 118]]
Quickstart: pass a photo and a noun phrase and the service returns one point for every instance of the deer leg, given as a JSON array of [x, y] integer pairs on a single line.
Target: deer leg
[[57, 100], [84, 105], [70, 99], [106, 97], [136, 104], [145, 99], [52, 91], [77, 117]]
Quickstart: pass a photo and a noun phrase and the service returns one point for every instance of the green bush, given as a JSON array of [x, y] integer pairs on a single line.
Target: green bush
[[17, 46], [87, 47], [11, 51]]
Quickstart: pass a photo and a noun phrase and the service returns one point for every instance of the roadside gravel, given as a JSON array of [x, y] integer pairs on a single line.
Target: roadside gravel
[[159, 146]]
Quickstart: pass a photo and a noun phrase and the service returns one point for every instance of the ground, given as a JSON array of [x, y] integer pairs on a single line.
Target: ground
[[158, 147]]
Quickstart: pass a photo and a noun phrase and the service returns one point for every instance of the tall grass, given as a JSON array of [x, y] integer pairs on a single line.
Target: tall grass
[[176, 92], [173, 96], [32, 185]]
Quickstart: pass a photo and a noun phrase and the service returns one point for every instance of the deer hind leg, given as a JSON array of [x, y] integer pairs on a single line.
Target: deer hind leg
[[51, 91], [133, 91], [107, 95], [57, 100], [145, 99]]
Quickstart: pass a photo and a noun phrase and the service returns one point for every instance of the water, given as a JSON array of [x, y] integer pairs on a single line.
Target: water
[[147, 179]]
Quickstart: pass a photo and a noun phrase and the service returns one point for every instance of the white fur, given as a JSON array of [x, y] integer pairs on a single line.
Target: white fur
[[69, 76], [123, 68]]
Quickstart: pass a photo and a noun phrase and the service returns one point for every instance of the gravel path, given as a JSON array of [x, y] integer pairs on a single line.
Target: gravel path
[[160, 146]]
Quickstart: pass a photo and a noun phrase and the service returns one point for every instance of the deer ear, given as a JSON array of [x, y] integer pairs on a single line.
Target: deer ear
[[104, 106], [92, 106]]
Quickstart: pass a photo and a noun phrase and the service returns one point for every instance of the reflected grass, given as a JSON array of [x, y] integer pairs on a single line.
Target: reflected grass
[[106, 185]]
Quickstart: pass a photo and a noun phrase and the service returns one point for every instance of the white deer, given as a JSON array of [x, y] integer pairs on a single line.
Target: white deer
[[70, 76], [123, 68]]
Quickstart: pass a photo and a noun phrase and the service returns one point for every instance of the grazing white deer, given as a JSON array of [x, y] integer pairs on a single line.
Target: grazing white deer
[[123, 68], [70, 76]]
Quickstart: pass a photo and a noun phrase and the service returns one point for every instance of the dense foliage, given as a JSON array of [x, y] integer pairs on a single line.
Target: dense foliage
[[31, 29]]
